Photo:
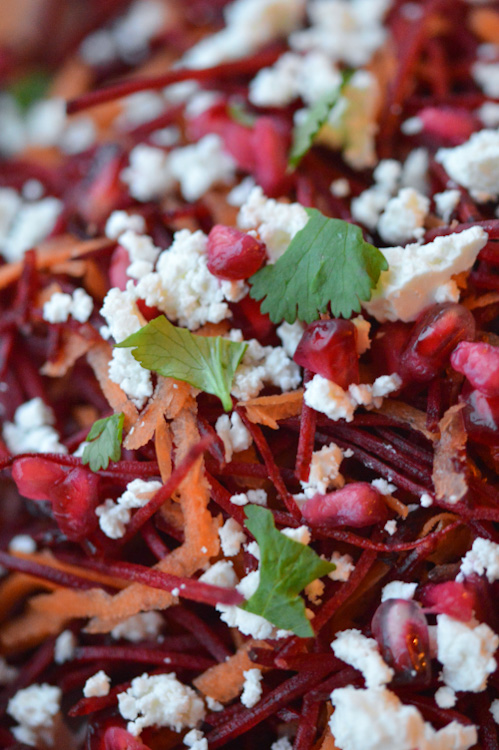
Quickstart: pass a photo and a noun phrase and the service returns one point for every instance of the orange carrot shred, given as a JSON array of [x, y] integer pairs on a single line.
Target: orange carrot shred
[[98, 358], [267, 410], [224, 681]]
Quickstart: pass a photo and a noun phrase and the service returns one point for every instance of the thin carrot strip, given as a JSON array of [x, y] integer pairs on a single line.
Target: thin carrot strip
[[98, 359]]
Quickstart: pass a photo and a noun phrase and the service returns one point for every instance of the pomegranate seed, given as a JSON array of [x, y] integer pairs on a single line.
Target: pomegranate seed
[[358, 504], [116, 738], [448, 125], [479, 362], [120, 260], [328, 348], [149, 313], [433, 338], [481, 417], [401, 630], [450, 598], [387, 347], [253, 323], [238, 142], [233, 255], [36, 477], [271, 143]]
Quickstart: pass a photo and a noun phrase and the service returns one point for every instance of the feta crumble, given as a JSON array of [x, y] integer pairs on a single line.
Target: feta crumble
[[233, 434], [482, 559], [196, 740], [114, 516], [35, 708], [60, 306], [328, 398], [32, 430], [252, 687], [257, 497], [199, 166], [143, 626], [445, 697], [344, 567], [220, 574], [231, 537], [65, 647], [362, 653], [22, 543], [97, 685], [246, 622], [324, 470], [403, 217], [466, 652], [475, 164], [398, 590], [446, 203]]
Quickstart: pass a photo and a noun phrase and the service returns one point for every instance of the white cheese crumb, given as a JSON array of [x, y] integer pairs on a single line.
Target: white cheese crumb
[[398, 590], [475, 164], [415, 171], [290, 335], [65, 647], [32, 430], [489, 114], [315, 590], [162, 701], [252, 687], [494, 710], [30, 225], [445, 697], [141, 251], [390, 527], [234, 435], [362, 653], [148, 174], [257, 497], [231, 537], [282, 743], [367, 207], [340, 188], [446, 203], [417, 273], [328, 398], [375, 719], [214, 705], [60, 306], [199, 166], [241, 192], [97, 685], [143, 626], [324, 470], [220, 574], [404, 217], [22, 543], [486, 74], [114, 516], [301, 534], [34, 708], [120, 222], [383, 486], [263, 364], [466, 652], [196, 740], [344, 567], [482, 559]]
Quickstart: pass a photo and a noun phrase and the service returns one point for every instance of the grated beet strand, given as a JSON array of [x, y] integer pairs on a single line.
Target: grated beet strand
[[47, 573], [358, 541], [307, 725], [206, 636], [87, 706], [143, 655], [306, 439], [154, 541]]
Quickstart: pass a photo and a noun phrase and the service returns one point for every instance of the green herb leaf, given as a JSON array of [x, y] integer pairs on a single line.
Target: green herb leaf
[[206, 362], [286, 567], [29, 88], [305, 133], [327, 264], [104, 442], [240, 114]]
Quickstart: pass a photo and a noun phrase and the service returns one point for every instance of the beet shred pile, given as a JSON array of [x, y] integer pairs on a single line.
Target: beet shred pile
[[371, 438]]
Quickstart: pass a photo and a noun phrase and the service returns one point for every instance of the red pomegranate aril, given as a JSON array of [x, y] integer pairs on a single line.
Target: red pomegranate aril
[[36, 477], [116, 738], [479, 362], [271, 143], [358, 505], [234, 255], [74, 501], [481, 417], [251, 320], [434, 336], [449, 598], [448, 125], [401, 631], [387, 347], [329, 348]]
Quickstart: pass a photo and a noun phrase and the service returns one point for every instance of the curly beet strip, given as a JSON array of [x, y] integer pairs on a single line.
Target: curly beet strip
[[47, 573], [203, 633], [307, 725], [154, 541], [134, 653], [98, 703], [31, 671], [306, 438]]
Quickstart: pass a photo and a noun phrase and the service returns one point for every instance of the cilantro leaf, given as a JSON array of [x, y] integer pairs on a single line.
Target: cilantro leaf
[[206, 362], [286, 567], [29, 88], [238, 112], [327, 263], [305, 133], [104, 442]]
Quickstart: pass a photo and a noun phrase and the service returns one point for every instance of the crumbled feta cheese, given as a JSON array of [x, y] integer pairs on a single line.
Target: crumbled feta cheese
[[231, 537], [60, 306], [362, 653], [129, 374], [276, 223], [489, 114], [196, 740], [7, 673], [390, 527], [282, 743], [417, 272], [199, 166], [142, 252], [404, 216], [120, 222], [340, 187], [240, 193], [165, 137], [257, 497], [350, 31], [426, 500], [324, 470], [466, 651], [383, 486], [328, 398], [315, 590], [494, 710], [290, 335], [475, 164], [445, 697], [97, 685], [482, 559], [412, 126], [369, 205], [30, 225], [65, 647], [220, 574], [486, 75], [233, 433], [446, 203], [162, 701], [148, 174], [45, 122], [214, 705], [262, 364], [301, 534], [35, 708], [32, 430], [375, 719], [121, 313], [250, 24], [114, 516], [398, 590], [78, 136], [344, 567], [362, 327], [248, 623], [22, 543], [141, 627], [252, 687], [415, 171]]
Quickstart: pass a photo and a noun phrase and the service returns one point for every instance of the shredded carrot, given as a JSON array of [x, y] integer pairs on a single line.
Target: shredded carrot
[[486, 299], [16, 587], [168, 399], [396, 505], [267, 410], [442, 519], [72, 79], [213, 329], [225, 681], [98, 358], [163, 445], [72, 348], [75, 268], [485, 24]]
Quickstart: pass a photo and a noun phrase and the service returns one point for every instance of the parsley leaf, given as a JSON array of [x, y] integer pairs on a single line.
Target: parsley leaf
[[286, 567], [104, 442], [206, 362], [240, 114], [327, 263], [305, 133], [29, 88]]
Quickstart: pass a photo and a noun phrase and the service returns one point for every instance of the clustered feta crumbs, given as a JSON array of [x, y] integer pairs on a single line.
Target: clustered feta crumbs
[[97, 685], [221, 574], [282, 743], [257, 497], [329, 398], [466, 652], [35, 709], [232, 537], [252, 687], [344, 567], [32, 430], [324, 470], [260, 365], [60, 306], [196, 740], [362, 653], [375, 719], [445, 697], [398, 590], [143, 626], [65, 647], [23, 224], [233, 433], [160, 700], [475, 164], [482, 559], [114, 515]]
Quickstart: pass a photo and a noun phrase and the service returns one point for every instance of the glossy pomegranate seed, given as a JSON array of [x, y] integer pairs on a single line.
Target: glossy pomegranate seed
[[479, 362], [234, 255], [36, 477], [387, 348], [358, 504], [271, 143], [120, 260], [448, 125], [253, 323], [149, 313], [328, 348], [481, 417], [401, 631], [434, 336], [450, 598], [116, 738]]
